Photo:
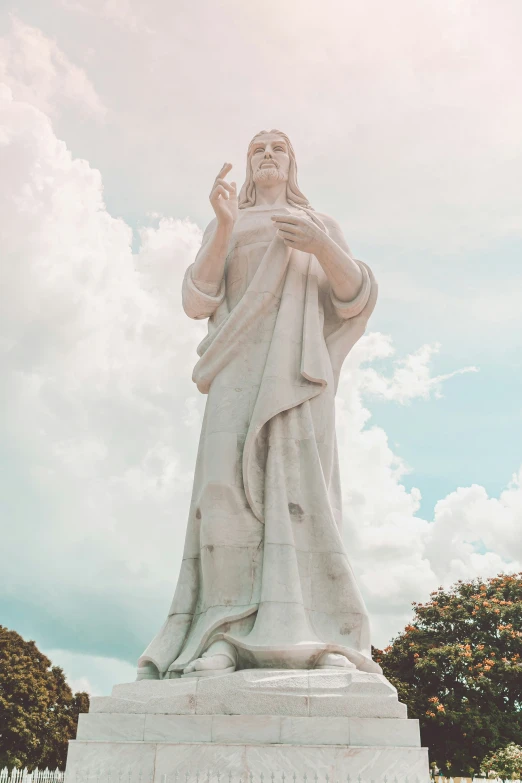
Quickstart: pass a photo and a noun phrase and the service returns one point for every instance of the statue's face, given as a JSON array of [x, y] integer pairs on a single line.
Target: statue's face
[[269, 159]]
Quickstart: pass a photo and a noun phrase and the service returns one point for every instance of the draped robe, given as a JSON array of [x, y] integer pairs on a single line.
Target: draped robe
[[264, 564]]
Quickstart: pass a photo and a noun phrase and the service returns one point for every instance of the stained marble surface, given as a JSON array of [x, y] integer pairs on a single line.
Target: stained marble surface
[[141, 762], [285, 302], [264, 573], [252, 729], [299, 692]]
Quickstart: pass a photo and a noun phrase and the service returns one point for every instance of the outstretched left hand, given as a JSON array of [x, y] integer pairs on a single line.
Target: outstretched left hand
[[300, 233]]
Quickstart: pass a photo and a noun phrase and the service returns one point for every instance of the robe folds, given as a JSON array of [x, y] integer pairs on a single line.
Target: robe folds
[[264, 564]]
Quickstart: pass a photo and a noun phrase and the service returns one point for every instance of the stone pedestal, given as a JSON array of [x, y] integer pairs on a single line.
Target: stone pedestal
[[336, 725]]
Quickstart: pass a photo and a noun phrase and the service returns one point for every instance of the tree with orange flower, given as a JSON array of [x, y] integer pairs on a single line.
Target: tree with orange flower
[[458, 667]]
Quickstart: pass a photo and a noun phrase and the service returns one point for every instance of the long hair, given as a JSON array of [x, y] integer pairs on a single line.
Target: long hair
[[294, 196]]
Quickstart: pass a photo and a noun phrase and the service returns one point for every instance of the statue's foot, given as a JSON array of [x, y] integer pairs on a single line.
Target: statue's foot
[[334, 661], [219, 658], [214, 663], [147, 671]]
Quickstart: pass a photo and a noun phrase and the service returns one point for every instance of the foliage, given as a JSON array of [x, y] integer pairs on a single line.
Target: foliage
[[504, 763], [38, 711], [458, 667]]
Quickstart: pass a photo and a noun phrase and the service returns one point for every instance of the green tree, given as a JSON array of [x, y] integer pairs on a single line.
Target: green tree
[[458, 668], [38, 711], [504, 763]]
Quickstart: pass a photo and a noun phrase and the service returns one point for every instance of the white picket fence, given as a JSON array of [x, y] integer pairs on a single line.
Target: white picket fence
[[456, 779], [57, 776], [36, 776]]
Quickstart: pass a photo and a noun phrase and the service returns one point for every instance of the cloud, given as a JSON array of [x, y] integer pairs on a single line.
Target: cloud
[[38, 71], [398, 556], [404, 116], [412, 139], [103, 420], [120, 12], [105, 672], [411, 378], [97, 366]]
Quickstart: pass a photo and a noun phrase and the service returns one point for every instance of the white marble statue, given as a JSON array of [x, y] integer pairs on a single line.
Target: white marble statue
[[265, 580]]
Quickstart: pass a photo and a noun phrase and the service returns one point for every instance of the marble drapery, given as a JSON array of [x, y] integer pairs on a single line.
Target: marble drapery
[[264, 565]]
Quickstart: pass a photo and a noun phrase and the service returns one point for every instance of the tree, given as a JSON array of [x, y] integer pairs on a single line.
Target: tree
[[504, 763], [38, 711], [458, 667]]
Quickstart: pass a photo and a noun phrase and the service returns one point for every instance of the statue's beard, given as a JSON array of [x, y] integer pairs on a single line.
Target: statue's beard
[[269, 174]]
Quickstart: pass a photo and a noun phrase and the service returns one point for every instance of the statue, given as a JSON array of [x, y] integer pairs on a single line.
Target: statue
[[265, 581], [267, 624]]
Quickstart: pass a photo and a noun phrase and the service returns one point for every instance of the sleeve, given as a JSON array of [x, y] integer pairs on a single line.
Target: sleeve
[[196, 303], [350, 320], [345, 310], [199, 299], [350, 309]]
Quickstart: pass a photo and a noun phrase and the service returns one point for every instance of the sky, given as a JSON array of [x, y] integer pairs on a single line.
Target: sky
[[115, 116]]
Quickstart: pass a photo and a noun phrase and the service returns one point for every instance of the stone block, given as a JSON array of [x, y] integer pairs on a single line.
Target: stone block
[[178, 728], [103, 762], [386, 732], [315, 731], [298, 693], [246, 729], [110, 727]]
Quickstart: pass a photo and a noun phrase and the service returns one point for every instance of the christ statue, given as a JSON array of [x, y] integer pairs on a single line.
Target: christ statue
[[265, 580]]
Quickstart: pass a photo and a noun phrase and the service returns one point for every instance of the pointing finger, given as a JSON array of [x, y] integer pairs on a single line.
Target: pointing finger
[[225, 168]]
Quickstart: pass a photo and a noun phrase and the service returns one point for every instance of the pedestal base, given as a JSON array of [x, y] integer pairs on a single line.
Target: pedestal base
[[143, 762], [336, 725], [298, 692]]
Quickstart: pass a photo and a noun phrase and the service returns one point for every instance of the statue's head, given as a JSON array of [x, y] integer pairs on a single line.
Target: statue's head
[[271, 158]]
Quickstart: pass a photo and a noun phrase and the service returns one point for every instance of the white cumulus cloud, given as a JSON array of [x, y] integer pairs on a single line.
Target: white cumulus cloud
[[38, 71], [411, 378], [399, 556]]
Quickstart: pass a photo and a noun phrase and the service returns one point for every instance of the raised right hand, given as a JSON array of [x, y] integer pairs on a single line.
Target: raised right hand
[[223, 198]]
